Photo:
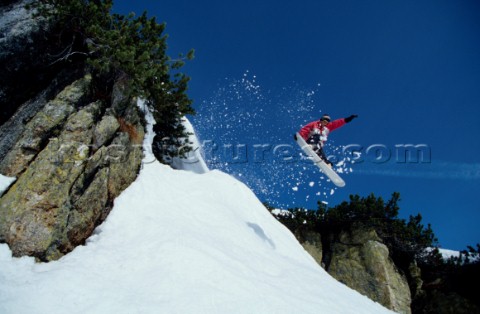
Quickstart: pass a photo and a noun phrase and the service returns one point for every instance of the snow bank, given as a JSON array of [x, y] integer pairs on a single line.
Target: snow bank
[[447, 254], [178, 242]]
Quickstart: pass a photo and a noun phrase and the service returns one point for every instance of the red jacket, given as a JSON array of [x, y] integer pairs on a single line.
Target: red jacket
[[316, 127]]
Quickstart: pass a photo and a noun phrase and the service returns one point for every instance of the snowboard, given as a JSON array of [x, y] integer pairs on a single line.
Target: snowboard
[[329, 172]]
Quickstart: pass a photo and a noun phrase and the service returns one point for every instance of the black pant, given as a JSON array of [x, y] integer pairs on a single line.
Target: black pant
[[316, 145]]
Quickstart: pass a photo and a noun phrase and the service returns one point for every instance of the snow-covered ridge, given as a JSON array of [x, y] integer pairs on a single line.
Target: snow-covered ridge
[[180, 242]]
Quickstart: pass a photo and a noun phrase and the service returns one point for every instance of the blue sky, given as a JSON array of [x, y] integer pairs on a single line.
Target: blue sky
[[409, 69]]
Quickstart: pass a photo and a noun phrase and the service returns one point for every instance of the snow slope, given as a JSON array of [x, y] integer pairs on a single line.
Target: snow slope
[[180, 242]]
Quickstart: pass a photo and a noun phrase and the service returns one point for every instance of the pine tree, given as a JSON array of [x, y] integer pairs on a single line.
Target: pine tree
[[116, 46]]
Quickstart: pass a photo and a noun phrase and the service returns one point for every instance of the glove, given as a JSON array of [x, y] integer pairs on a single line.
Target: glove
[[353, 116]]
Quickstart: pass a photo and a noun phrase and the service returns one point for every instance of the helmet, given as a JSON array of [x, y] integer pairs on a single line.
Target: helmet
[[325, 117]]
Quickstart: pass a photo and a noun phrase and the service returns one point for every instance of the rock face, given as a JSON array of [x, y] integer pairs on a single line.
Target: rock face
[[71, 160], [361, 261], [71, 153], [358, 258]]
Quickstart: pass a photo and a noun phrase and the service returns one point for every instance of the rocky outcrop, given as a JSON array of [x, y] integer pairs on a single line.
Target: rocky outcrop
[[357, 256], [361, 261], [72, 150], [71, 160]]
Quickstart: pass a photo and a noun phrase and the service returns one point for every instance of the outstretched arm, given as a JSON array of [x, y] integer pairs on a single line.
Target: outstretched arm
[[340, 122]]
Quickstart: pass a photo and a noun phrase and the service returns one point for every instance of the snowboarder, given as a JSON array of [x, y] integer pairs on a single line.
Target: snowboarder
[[316, 133]]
